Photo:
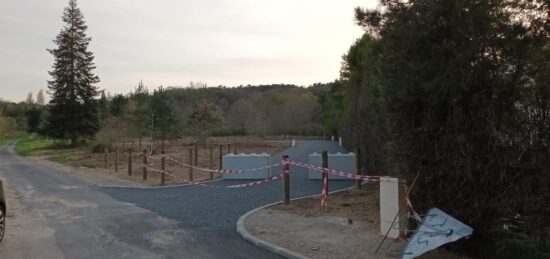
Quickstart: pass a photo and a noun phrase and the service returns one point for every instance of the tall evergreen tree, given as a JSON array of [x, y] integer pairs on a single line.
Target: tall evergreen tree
[[73, 111], [40, 98], [117, 105], [102, 106], [30, 99]]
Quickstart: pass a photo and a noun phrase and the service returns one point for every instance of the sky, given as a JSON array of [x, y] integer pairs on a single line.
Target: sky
[[174, 42]]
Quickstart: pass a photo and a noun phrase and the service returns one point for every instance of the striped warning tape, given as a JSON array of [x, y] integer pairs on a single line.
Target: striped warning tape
[[324, 191], [219, 171], [411, 212], [244, 185], [369, 178]]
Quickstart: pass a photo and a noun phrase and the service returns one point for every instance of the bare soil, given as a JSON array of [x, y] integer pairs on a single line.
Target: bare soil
[[349, 228], [86, 164]]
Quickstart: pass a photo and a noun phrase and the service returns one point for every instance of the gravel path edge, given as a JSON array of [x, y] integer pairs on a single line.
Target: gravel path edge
[[262, 243]]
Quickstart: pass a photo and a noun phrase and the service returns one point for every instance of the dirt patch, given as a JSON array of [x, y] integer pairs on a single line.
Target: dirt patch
[[94, 176], [349, 228], [27, 232], [166, 238], [353, 205]]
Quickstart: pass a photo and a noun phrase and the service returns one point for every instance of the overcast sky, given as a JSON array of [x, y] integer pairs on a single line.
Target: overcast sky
[[173, 42]]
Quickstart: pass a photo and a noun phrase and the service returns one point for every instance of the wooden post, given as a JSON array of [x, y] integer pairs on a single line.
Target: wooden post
[[144, 164], [190, 178], [324, 157], [220, 165], [123, 143], [140, 142], [358, 167], [116, 160], [235, 149], [228, 148], [211, 162], [106, 149], [163, 167], [196, 160], [129, 162], [286, 181]]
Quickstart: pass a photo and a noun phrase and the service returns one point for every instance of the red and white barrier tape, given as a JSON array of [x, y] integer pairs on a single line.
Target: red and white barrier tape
[[336, 172], [324, 192], [219, 171], [158, 157], [244, 185], [411, 212]]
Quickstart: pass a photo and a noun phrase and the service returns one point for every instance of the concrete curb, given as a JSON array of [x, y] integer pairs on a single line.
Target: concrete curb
[[270, 246], [264, 244]]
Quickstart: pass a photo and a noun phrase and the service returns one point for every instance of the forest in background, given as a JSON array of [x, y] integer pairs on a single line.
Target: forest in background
[[195, 110]]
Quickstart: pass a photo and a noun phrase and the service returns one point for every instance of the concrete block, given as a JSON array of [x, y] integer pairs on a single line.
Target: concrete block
[[391, 198], [247, 161], [338, 161]]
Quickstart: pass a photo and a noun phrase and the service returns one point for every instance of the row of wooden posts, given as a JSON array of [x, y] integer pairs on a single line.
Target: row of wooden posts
[[193, 159]]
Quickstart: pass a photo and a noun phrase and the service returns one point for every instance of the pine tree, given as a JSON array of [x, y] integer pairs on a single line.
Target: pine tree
[[30, 99], [40, 98], [73, 110], [102, 106]]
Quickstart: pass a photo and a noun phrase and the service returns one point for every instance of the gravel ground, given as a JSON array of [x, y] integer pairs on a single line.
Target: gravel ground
[[27, 231], [349, 228], [211, 214], [322, 237]]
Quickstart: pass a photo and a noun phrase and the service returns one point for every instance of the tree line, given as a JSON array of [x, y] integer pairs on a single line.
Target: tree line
[[457, 92], [27, 115], [201, 111]]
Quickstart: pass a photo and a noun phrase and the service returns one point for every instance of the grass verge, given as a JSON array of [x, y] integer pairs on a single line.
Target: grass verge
[[7, 138], [28, 145]]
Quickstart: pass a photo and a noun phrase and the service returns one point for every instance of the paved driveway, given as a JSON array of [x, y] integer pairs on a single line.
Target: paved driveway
[[175, 222]]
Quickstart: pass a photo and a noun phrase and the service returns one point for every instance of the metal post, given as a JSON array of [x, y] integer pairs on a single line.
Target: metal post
[[144, 164], [163, 167], [358, 182], [190, 178], [130, 162], [286, 181], [325, 166]]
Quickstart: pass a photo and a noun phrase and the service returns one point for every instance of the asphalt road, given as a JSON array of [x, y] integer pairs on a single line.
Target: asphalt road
[[175, 222]]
